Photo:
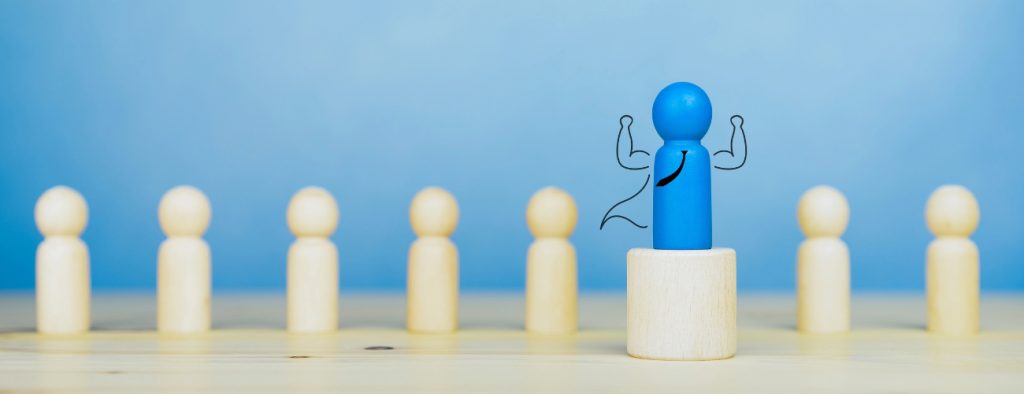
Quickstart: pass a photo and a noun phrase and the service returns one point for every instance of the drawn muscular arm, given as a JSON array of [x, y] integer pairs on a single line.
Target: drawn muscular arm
[[732, 152], [624, 150], [624, 146]]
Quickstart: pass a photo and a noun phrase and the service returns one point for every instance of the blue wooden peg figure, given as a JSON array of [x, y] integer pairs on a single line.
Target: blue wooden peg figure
[[682, 169]]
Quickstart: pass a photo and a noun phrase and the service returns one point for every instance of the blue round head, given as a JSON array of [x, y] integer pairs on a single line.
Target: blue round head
[[682, 111]]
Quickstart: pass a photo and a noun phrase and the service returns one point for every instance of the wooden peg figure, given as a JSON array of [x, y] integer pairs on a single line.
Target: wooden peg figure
[[183, 263], [953, 262], [551, 291], [433, 281], [312, 262], [62, 263], [823, 262]]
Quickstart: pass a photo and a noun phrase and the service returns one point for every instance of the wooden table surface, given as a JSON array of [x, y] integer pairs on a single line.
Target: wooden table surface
[[888, 351]]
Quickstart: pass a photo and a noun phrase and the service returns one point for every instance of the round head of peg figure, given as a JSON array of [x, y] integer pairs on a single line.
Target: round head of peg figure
[[823, 212], [434, 213], [61, 211], [952, 211], [551, 213], [682, 112], [313, 212], [184, 212]]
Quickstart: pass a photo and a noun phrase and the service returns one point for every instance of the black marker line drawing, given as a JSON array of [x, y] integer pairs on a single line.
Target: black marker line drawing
[[671, 177], [606, 214], [732, 140], [626, 123], [618, 142]]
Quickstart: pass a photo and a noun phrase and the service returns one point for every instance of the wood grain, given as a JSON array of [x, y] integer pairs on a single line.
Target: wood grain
[[886, 351], [681, 304]]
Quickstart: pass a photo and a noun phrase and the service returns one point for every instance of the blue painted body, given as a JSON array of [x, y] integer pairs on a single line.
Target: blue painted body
[[682, 208], [682, 204]]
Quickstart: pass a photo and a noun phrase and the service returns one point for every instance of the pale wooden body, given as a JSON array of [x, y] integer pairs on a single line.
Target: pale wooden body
[[953, 286], [952, 214], [62, 286], [312, 285], [433, 286], [681, 304], [183, 285], [823, 286], [551, 290]]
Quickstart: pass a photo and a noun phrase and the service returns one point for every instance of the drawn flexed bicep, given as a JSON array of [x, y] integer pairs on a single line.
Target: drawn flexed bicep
[[624, 150], [624, 153], [733, 152]]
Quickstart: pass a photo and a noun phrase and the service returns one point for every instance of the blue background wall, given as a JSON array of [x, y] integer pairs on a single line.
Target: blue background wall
[[250, 101]]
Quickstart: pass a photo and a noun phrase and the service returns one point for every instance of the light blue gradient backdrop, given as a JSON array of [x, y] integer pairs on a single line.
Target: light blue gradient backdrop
[[493, 100]]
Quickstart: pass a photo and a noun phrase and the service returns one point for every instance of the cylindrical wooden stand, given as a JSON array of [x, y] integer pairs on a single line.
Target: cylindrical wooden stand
[[681, 304]]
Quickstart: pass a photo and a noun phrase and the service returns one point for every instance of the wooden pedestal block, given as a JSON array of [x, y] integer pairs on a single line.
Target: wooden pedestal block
[[681, 304]]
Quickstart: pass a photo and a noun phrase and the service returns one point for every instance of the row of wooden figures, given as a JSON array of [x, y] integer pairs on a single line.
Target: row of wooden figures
[[183, 272], [952, 262], [183, 285]]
